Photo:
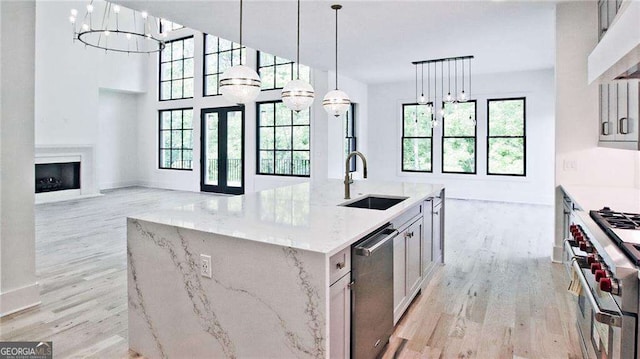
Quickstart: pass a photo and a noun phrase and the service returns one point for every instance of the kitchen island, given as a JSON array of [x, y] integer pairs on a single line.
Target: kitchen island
[[276, 257]]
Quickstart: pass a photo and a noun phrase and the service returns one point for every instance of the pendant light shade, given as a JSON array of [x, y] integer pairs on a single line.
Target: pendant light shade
[[336, 102], [297, 94], [240, 84]]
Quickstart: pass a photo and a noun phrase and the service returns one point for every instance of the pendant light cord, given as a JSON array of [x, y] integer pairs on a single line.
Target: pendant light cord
[[240, 32], [337, 47], [422, 75], [298, 43]]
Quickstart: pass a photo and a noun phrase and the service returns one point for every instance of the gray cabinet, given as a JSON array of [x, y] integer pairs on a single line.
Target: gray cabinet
[[340, 318], [619, 110], [438, 224], [607, 10], [427, 238], [407, 269]]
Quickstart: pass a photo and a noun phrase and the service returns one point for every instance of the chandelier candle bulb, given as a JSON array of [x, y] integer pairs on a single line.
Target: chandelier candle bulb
[[89, 8], [74, 12]]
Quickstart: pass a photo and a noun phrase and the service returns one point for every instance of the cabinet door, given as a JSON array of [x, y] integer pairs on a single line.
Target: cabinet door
[[613, 109], [623, 124], [612, 10], [340, 318], [399, 279], [606, 129], [437, 233], [603, 22], [427, 237], [412, 236]]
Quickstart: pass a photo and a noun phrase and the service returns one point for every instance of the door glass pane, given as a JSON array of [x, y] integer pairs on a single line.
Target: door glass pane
[[234, 149], [211, 148]]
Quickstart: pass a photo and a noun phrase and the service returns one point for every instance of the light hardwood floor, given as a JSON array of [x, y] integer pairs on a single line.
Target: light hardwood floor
[[498, 296]]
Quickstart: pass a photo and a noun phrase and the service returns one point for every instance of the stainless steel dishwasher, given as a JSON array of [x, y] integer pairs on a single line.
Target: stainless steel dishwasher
[[372, 293]]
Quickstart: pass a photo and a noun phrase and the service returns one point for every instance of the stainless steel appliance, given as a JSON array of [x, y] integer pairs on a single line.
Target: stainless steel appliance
[[607, 304], [372, 293]]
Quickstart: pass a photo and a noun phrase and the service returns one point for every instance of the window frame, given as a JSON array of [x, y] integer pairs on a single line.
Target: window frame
[[216, 53], [524, 135], [275, 66], [402, 169], [475, 142], [182, 129], [353, 167], [193, 77], [258, 148], [172, 27]]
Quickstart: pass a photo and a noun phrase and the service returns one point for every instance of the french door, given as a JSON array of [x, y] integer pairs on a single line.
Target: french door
[[222, 144]]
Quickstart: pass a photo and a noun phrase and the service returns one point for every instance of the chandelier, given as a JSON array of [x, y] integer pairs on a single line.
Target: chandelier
[[430, 99], [114, 28]]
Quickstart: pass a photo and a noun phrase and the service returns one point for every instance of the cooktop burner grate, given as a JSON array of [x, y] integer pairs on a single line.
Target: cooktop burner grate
[[619, 220]]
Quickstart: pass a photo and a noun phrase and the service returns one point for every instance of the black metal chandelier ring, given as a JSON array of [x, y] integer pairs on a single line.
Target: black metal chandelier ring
[[133, 35]]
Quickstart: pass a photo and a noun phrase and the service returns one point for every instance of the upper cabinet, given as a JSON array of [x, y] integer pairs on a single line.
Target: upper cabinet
[[617, 53], [612, 64], [619, 114], [607, 10]]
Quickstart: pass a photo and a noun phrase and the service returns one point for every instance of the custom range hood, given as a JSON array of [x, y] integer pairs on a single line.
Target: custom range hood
[[617, 55]]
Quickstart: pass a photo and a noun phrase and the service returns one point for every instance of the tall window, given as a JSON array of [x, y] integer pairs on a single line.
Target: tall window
[[219, 55], [283, 140], [276, 71], [459, 138], [176, 70], [417, 139], [176, 139], [350, 135], [506, 140]]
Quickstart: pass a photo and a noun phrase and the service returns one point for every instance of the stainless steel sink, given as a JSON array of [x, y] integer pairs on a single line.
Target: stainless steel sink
[[375, 202]]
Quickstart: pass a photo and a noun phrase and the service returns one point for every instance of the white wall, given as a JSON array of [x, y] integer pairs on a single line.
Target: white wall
[[69, 75], [322, 126], [117, 149], [18, 286], [385, 131]]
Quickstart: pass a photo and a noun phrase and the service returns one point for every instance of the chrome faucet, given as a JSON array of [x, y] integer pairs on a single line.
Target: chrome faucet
[[347, 177]]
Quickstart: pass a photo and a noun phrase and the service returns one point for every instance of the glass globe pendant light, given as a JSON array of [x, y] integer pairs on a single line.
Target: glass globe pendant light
[[462, 97], [336, 102], [240, 84], [298, 94]]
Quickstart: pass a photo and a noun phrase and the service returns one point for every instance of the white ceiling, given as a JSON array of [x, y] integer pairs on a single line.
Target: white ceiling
[[379, 39]]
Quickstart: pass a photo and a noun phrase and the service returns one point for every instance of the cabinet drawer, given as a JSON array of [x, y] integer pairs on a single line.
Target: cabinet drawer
[[404, 219], [339, 264]]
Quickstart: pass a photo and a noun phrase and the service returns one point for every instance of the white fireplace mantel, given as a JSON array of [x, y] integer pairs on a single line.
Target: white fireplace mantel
[[85, 154]]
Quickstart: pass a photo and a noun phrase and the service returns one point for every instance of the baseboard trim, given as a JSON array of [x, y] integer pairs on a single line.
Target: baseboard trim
[[19, 299]]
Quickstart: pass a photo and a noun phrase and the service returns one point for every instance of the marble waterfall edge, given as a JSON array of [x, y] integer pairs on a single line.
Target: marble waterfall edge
[[263, 300]]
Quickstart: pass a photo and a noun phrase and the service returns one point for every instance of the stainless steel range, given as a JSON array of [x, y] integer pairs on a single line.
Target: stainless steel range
[[599, 255]]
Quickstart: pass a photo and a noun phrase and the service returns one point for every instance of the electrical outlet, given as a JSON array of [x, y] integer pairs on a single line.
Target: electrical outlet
[[205, 265]]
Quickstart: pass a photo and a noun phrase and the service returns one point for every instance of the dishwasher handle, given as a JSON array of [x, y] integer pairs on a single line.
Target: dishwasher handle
[[369, 246]]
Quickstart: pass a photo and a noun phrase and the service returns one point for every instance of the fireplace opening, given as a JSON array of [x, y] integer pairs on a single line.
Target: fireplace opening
[[57, 176]]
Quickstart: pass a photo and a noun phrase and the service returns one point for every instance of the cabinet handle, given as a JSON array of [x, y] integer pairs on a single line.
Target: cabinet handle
[[408, 235], [622, 129], [340, 265], [605, 128], [351, 284]]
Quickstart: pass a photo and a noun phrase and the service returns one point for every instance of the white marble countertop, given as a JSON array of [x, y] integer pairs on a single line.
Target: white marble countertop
[[595, 197], [304, 216]]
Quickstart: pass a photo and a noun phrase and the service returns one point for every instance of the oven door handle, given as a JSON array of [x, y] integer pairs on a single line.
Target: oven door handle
[[599, 315]]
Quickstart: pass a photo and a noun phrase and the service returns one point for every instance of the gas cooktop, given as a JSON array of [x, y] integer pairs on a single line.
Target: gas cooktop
[[623, 228], [618, 219]]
